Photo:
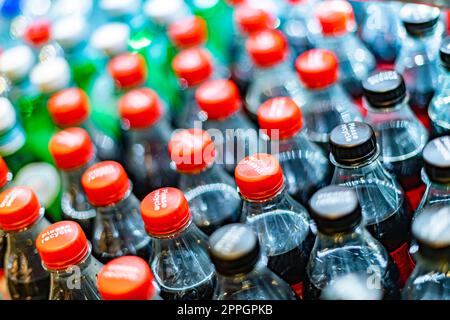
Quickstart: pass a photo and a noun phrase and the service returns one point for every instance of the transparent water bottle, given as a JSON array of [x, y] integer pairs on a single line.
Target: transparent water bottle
[[352, 286], [416, 61], [273, 76], [22, 219], [73, 152], [66, 255], [179, 261], [38, 35], [305, 166], [210, 191], [118, 228], [439, 106], [400, 134], [127, 278], [234, 134], [281, 223], [338, 26], [326, 104], [146, 134], [15, 65], [355, 154], [242, 273], [71, 108], [343, 246], [430, 279]]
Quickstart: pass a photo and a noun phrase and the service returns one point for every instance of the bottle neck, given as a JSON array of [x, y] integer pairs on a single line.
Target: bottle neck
[[120, 209], [353, 236], [398, 107], [277, 69], [72, 178], [428, 265], [22, 238], [159, 131], [272, 203]]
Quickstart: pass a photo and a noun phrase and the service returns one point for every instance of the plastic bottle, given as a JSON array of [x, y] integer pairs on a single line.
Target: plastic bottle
[[179, 260], [16, 63], [242, 273], [66, 254], [210, 191], [38, 35], [352, 286], [118, 228]]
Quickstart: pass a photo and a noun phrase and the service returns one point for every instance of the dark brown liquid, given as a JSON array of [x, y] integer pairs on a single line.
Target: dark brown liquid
[[35, 290], [203, 291], [143, 252]]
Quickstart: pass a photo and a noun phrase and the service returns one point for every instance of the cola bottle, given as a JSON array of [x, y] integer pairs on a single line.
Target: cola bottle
[[352, 286], [209, 190], [343, 241], [355, 154], [234, 134], [179, 259], [281, 223], [146, 134], [73, 152], [127, 278], [70, 108], [416, 61], [305, 166], [21, 219], [242, 273], [400, 134], [66, 255], [338, 26], [326, 104], [430, 279], [118, 228]]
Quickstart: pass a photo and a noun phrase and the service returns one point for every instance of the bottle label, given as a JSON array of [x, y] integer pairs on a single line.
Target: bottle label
[[299, 289], [403, 261], [415, 196]]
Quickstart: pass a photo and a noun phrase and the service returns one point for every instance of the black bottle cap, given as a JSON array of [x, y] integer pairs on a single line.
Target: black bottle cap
[[431, 229], [234, 249], [419, 19], [335, 209], [444, 53], [353, 143], [436, 157], [384, 89]]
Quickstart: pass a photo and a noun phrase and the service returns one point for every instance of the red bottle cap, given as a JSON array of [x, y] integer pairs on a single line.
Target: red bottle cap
[[336, 17], [38, 32], [69, 107], [267, 48], [317, 68], [188, 32], [128, 70], [191, 150], [140, 108], [19, 208], [235, 2], [282, 114], [259, 176], [165, 211], [71, 148], [105, 183], [250, 19], [192, 66], [218, 98], [61, 245], [126, 278], [4, 172]]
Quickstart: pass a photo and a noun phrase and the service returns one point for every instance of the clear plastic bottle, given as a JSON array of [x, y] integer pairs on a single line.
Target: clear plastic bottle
[[146, 134], [179, 261], [351, 286], [305, 166], [127, 278], [234, 134], [66, 255], [118, 228], [281, 223], [440, 105], [400, 134], [210, 191], [15, 65], [22, 219], [355, 154], [343, 246], [242, 273], [38, 35], [326, 103], [431, 277], [416, 61], [70, 108], [338, 26], [273, 76], [73, 152]]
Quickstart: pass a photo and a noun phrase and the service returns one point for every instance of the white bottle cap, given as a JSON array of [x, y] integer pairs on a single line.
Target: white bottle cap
[[16, 62], [69, 31], [111, 38], [164, 12], [7, 114], [51, 75], [118, 8]]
